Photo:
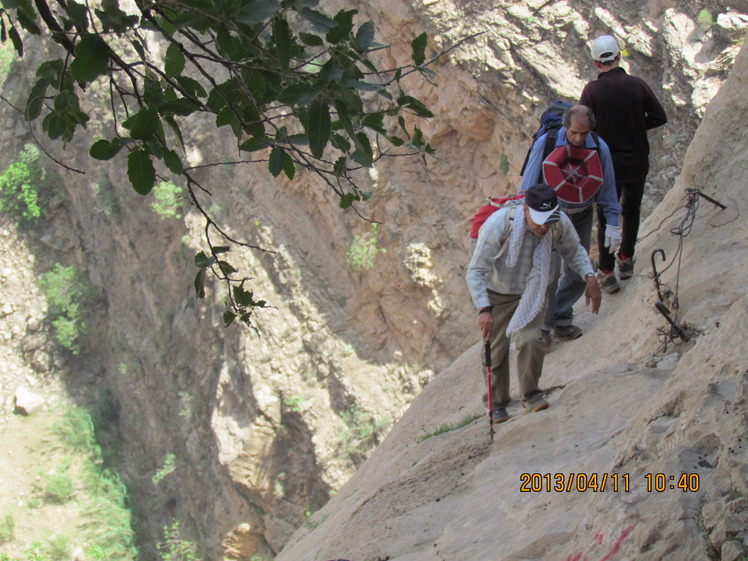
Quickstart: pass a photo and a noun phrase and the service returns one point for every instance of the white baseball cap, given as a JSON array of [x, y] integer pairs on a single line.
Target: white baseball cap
[[604, 48]]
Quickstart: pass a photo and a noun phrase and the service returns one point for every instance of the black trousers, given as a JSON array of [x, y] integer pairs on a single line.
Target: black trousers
[[630, 195]]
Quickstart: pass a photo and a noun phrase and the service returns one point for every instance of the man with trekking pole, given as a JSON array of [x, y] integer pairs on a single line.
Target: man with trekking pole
[[507, 278]]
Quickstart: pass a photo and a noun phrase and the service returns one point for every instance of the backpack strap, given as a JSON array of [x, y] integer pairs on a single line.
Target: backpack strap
[[507, 230], [550, 142]]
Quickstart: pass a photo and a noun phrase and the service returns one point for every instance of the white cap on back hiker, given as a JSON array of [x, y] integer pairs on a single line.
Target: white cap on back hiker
[[604, 48]]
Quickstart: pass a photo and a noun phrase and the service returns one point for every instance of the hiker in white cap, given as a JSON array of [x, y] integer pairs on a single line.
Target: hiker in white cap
[[508, 276], [625, 109]]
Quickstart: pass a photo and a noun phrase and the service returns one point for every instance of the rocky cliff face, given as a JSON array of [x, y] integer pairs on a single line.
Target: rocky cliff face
[[642, 454], [265, 428]]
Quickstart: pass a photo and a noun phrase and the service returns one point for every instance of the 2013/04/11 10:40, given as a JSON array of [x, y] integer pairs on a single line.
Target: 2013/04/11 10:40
[[600, 482]]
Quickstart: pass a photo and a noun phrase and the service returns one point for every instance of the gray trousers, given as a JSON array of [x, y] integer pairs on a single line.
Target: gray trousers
[[530, 354]]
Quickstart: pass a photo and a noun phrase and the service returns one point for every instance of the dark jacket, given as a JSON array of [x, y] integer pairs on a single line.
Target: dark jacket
[[625, 109]]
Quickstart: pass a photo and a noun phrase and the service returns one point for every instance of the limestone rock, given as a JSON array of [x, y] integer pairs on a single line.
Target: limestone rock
[[27, 402]]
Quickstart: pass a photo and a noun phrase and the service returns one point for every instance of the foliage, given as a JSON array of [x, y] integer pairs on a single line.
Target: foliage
[[67, 290], [58, 488], [21, 185], [364, 250], [168, 467], [293, 87], [7, 59], [105, 197], [59, 548], [448, 427], [7, 528], [705, 18], [34, 552], [167, 203], [295, 402], [362, 431], [77, 430], [109, 521], [504, 164], [174, 547]]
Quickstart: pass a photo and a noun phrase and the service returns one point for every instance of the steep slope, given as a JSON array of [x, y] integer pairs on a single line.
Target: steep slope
[[264, 430], [665, 431]]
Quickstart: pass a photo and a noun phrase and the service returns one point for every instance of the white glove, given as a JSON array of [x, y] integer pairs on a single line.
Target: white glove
[[612, 237]]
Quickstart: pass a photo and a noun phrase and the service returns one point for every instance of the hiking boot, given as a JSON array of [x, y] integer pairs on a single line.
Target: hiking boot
[[499, 415], [608, 282], [625, 266], [535, 404], [567, 332], [545, 340]]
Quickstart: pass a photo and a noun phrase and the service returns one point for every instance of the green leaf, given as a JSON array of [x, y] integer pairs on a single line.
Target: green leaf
[[144, 124], [282, 40], [78, 13], [318, 127], [340, 142], [320, 22], [363, 86], [191, 87], [289, 168], [106, 150], [363, 155], [226, 268], [375, 121], [311, 40], [140, 170], [182, 106], [226, 116], [36, 99], [25, 14], [246, 298], [345, 118], [175, 130], [277, 160], [173, 161], [347, 200], [418, 46], [394, 140], [253, 144], [200, 284], [55, 125], [113, 18], [219, 249], [66, 101], [203, 261], [174, 61], [139, 48], [257, 11], [340, 166], [412, 103], [294, 93], [91, 59], [228, 317], [344, 21], [15, 38], [365, 36], [298, 139]]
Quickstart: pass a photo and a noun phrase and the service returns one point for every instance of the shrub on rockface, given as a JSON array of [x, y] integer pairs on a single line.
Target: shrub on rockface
[[22, 185], [67, 291]]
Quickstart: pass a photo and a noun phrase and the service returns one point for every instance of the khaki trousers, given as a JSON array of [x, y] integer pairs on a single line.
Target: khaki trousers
[[530, 354]]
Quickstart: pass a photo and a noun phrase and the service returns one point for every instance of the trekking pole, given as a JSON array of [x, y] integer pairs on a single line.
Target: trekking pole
[[491, 432]]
